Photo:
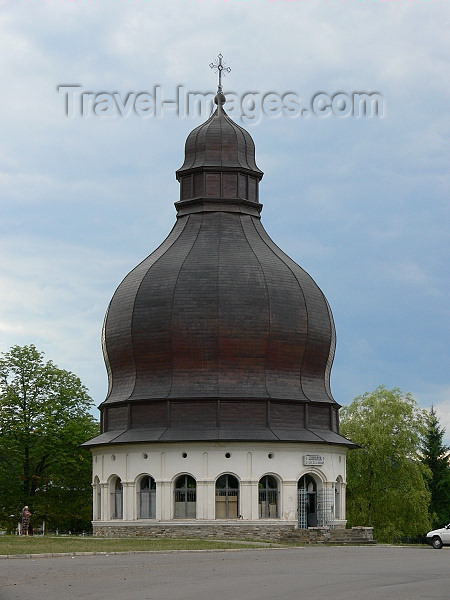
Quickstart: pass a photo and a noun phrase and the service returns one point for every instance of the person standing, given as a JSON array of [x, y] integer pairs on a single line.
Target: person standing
[[25, 524]]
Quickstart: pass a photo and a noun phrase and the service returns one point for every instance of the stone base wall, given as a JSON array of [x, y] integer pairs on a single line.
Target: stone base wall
[[269, 532], [323, 535], [263, 532]]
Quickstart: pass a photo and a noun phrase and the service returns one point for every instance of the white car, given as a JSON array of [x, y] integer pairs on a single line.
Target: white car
[[439, 537]]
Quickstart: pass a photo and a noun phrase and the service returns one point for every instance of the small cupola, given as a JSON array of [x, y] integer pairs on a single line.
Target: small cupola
[[219, 163]]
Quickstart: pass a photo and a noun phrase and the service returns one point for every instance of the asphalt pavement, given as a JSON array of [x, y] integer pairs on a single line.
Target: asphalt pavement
[[311, 572]]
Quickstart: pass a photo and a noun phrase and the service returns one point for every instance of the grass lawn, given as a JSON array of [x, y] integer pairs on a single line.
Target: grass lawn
[[13, 544]]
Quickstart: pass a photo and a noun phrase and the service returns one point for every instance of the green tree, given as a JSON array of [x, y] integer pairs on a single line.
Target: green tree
[[386, 481], [44, 417], [436, 457]]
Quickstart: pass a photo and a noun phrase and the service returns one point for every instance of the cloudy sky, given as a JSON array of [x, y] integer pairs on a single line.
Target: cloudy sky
[[362, 203]]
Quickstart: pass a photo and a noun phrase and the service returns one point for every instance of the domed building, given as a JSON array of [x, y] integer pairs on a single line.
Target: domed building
[[218, 348]]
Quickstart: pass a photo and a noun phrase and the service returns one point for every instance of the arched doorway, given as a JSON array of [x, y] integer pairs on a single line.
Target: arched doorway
[[307, 502], [227, 497], [146, 498], [185, 497], [268, 497], [116, 498]]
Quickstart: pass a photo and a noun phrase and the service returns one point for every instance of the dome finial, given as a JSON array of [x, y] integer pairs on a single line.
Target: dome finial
[[219, 67]]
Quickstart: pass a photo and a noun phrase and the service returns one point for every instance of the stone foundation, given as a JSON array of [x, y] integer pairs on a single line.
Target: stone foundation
[[263, 532], [273, 532], [339, 535]]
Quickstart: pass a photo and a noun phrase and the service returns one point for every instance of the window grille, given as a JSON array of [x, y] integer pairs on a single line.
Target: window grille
[[147, 497], [185, 498], [325, 508], [268, 497], [302, 509], [227, 497]]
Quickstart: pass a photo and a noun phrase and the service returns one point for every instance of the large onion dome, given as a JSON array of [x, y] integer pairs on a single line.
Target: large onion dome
[[218, 334]]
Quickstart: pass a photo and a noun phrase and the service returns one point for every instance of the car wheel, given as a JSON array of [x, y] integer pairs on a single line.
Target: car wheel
[[436, 542]]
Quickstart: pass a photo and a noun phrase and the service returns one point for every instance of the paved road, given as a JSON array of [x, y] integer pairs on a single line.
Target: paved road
[[313, 573]]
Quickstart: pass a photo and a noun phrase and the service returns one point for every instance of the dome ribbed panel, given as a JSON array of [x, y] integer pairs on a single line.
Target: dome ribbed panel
[[243, 314], [152, 318], [190, 147], [229, 145], [194, 314], [315, 367], [246, 149], [118, 334], [332, 351], [288, 319], [210, 138], [220, 315]]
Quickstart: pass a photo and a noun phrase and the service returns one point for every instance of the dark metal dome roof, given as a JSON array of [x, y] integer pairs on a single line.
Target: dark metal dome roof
[[219, 311], [219, 335], [219, 143]]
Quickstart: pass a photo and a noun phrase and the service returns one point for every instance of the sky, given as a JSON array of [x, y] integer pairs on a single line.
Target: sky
[[361, 202]]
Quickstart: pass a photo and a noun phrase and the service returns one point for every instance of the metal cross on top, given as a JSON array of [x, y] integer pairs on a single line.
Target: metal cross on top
[[219, 67]]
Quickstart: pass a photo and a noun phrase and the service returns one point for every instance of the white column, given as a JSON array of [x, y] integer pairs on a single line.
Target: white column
[[343, 501], [164, 506], [202, 499], [209, 492], [128, 501], [249, 500], [106, 502], [158, 500], [94, 502]]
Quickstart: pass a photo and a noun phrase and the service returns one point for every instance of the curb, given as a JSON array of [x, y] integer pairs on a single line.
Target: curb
[[73, 554]]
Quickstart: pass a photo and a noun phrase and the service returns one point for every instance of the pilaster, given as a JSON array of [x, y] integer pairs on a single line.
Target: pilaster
[[289, 500], [248, 504], [128, 501], [164, 500], [105, 502]]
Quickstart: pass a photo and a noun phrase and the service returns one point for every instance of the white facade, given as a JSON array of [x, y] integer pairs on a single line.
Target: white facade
[[181, 482]]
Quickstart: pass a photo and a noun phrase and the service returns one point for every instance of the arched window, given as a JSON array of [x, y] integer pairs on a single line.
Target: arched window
[[308, 483], [268, 497], [227, 497], [185, 498], [116, 499], [307, 502], [146, 498]]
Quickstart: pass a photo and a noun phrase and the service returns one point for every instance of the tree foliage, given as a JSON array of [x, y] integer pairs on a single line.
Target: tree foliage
[[44, 417], [436, 457], [386, 481]]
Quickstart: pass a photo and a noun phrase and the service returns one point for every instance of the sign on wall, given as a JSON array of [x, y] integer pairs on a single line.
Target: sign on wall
[[313, 459]]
